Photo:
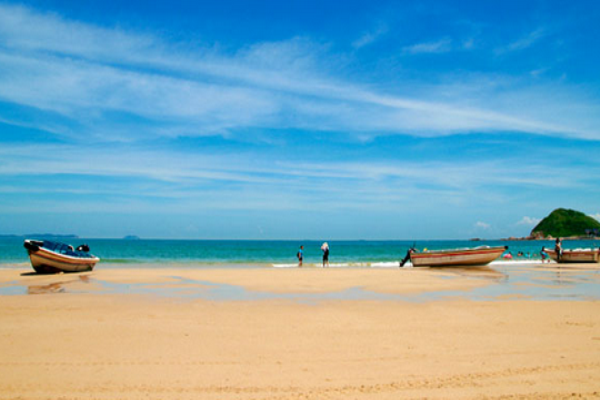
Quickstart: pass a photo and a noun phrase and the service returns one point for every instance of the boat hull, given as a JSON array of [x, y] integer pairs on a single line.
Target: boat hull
[[576, 256], [461, 257], [47, 261]]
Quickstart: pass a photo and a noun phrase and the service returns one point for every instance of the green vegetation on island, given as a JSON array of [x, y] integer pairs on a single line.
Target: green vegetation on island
[[566, 223]]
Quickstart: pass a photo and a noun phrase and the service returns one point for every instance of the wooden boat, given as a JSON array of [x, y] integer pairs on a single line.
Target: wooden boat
[[576, 255], [457, 257], [51, 257]]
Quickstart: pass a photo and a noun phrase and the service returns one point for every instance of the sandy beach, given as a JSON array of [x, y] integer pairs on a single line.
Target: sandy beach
[[73, 338]]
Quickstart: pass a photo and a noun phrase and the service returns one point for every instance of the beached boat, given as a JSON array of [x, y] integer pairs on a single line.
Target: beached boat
[[576, 255], [51, 257], [482, 255]]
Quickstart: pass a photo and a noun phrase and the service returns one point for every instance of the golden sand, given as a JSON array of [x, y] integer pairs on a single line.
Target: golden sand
[[94, 345]]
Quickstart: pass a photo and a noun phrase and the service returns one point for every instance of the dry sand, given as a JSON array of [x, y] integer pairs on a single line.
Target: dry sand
[[96, 345]]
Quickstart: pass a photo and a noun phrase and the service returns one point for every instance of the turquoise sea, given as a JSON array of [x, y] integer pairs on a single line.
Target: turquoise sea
[[522, 277], [146, 253]]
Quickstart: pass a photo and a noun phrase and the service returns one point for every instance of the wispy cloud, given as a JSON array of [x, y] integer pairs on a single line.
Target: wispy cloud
[[86, 75], [180, 173], [482, 225], [529, 221], [596, 216], [439, 46], [65, 178], [524, 42], [370, 36]]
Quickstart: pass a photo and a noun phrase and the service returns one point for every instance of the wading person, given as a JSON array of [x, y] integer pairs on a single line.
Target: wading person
[[544, 255], [300, 255], [558, 249], [325, 248]]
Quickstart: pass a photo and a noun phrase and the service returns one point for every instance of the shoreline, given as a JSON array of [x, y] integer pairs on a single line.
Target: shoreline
[[193, 264], [268, 281], [501, 280]]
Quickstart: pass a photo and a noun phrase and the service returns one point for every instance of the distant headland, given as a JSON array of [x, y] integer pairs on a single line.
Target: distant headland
[[54, 236], [566, 224], [41, 236]]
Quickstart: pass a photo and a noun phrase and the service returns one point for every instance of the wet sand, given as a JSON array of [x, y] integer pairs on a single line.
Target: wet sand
[[82, 340], [267, 280]]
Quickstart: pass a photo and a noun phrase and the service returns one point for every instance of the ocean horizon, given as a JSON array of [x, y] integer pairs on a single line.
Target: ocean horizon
[[151, 253]]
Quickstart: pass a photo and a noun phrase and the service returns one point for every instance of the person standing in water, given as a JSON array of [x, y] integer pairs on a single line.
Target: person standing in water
[[558, 249], [544, 255], [325, 248], [300, 255]]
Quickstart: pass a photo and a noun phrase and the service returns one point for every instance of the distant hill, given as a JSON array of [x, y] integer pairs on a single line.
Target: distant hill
[[41, 236], [565, 223], [131, 237]]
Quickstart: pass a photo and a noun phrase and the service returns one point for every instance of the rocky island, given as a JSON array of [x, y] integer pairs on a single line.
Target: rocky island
[[566, 223]]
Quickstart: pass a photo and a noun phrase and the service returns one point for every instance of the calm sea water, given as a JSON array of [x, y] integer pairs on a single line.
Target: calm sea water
[[521, 278], [245, 253]]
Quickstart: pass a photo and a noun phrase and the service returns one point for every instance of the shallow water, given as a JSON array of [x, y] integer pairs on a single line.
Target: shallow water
[[506, 280]]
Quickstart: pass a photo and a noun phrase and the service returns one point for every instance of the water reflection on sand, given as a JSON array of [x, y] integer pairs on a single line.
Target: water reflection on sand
[[505, 280]]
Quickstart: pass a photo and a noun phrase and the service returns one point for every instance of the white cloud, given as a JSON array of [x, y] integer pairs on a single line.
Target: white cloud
[[596, 216], [84, 74], [468, 44], [526, 41], [276, 168], [529, 221], [370, 37], [482, 225], [440, 46], [263, 179]]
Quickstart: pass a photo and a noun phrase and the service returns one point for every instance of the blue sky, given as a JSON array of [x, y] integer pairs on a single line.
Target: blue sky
[[297, 120]]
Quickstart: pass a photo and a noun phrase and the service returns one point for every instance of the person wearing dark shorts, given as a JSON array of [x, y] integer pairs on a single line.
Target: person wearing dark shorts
[[300, 256], [558, 249], [325, 249]]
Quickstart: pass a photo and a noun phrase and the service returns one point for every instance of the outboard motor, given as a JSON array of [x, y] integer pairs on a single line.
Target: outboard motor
[[83, 247], [33, 245], [408, 254]]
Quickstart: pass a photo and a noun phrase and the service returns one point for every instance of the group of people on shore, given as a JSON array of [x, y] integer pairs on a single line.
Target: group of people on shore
[[543, 253], [324, 249]]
